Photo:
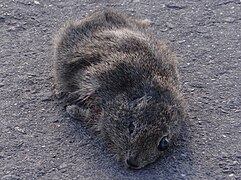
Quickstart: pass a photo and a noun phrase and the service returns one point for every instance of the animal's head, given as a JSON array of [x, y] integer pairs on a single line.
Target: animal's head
[[141, 108], [140, 129]]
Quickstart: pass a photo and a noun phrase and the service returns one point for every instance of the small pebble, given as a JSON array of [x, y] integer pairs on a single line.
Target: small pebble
[[36, 2], [170, 25], [183, 155], [2, 19], [46, 99], [229, 19], [201, 30], [63, 165], [164, 30], [20, 130], [176, 6], [10, 177], [1, 155], [16, 28], [31, 75]]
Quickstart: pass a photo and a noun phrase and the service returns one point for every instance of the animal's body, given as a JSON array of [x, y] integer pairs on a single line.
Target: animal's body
[[123, 82]]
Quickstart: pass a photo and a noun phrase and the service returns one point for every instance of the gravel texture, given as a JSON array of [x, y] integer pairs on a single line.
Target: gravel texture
[[39, 141]]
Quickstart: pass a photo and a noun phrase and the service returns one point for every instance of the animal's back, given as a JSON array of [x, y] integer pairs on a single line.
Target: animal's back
[[83, 43]]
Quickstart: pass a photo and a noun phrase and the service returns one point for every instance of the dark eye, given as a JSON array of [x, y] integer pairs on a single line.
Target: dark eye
[[131, 128], [163, 144]]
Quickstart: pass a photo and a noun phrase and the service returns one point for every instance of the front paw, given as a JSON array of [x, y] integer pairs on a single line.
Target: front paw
[[76, 112], [72, 110]]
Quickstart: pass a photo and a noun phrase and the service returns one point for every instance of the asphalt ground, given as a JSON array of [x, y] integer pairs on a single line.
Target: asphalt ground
[[39, 140]]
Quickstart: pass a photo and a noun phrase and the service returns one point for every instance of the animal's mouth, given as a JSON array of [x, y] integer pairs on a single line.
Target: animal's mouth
[[132, 163], [134, 167]]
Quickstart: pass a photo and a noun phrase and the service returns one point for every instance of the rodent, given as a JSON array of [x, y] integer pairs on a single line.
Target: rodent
[[120, 80]]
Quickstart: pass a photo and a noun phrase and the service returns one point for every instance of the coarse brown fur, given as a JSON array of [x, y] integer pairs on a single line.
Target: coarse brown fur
[[118, 78]]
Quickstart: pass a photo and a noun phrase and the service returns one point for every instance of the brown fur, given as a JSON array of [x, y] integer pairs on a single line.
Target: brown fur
[[118, 78]]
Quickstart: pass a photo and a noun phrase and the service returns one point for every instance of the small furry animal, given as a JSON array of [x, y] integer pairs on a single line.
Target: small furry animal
[[118, 78]]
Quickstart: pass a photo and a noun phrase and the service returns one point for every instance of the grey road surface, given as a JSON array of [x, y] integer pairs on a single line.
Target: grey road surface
[[38, 140]]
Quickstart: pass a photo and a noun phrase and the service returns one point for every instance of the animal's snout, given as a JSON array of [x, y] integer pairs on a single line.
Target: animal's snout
[[132, 163]]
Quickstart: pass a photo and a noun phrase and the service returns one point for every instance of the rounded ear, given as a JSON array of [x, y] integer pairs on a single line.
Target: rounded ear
[[141, 103]]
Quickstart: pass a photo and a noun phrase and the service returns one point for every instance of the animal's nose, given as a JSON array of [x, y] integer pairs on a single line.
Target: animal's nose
[[131, 162]]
